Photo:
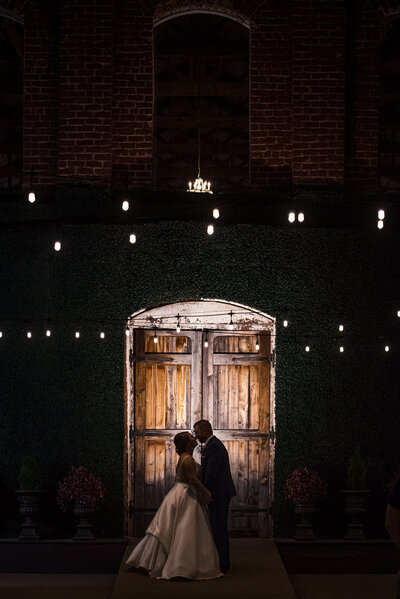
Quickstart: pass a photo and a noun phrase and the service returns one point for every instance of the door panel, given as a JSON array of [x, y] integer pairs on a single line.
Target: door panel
[[179, 381]]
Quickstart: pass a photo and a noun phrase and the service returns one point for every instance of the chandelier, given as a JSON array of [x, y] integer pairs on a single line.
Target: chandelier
[[199, 185]]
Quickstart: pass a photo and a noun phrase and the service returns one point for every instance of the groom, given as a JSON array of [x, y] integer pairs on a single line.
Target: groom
[[217, 478]]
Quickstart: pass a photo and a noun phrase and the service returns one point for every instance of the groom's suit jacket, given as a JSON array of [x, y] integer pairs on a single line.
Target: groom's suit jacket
[[216, 470]]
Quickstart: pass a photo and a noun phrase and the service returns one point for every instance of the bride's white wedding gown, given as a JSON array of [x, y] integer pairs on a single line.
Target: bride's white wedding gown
[[179, 540]]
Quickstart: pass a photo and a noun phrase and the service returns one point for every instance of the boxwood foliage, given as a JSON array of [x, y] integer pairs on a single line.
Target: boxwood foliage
[[62, 399]]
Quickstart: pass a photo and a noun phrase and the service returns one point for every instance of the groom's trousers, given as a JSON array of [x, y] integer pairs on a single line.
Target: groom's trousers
[[219, 526]]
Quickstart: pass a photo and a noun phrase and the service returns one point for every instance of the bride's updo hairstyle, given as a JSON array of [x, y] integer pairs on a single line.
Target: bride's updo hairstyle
[[181, 441]]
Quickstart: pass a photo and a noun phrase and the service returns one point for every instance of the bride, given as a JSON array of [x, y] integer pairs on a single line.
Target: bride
[[179, 541]]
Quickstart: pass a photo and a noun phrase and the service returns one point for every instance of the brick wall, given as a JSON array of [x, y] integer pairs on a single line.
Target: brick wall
[[89, 92], [362, 102]]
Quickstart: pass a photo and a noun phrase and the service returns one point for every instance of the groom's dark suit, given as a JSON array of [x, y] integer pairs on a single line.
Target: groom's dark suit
[[218, 479]]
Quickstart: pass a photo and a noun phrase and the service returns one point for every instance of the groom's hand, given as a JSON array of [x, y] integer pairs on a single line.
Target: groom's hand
[[206, 497]]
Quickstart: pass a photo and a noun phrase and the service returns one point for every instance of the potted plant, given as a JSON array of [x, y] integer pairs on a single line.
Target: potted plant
[[304, 487], [29, 496], [355, 495], [82, 491]]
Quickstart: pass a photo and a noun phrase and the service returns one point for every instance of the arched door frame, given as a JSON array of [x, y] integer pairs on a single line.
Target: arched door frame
[[207, 315]]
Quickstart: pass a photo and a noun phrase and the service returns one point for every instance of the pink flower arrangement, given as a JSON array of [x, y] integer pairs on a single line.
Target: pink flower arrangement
[[304, 486], [80, 485]]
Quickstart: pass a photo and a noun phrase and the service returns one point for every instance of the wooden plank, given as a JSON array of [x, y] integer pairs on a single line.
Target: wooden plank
[[161, 397], [159, 478], [171, 390], [244, 397], [254, 474], [149, 410], [233, 393], [254, 403]]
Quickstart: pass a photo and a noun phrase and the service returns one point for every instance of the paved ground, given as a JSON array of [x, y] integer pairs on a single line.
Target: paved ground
[[257, 572]]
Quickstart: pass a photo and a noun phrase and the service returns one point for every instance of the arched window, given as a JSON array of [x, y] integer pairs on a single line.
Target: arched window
[[11, 80], [390, 108], [201, 101]]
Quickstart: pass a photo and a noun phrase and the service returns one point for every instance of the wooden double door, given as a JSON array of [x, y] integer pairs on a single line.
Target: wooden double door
[[183, 377]]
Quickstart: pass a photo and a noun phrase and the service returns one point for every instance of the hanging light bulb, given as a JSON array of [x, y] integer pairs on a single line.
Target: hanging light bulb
[[216, 213], [307, 348], [257, 343], [125, 205], [341, 328], [132, 238], [341, 349], [178, 325], [29, 334], [57, 246], [155, 338], [285, 323], [210, 229], [291, 217], [381, 214], [127, 331], [77, 334], [102, 335], [398, 313], [300, 217], [31, 197], [230, 326], [387, 348], [1, 334], [48, 333], [380, 224], [206, 341]]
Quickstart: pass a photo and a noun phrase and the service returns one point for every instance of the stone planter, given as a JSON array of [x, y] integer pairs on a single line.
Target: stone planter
[[305, 526], [354, 500], [29, 508], [84, 528]]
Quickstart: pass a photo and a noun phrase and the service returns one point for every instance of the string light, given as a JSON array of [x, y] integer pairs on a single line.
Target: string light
[[206, 341], [125, 205], [398, 313], [178, 325], [102, 335], [32, 197], [210, 229], [29, 334], [132, 238], [387, 348], [291, 217], [381, 214], [341, 349], [257, 343], [285, 323], [1, 334], [155, 338], [380, 224], [341, 328], [300, 217], [127, 331], [307, 348], [216, 213], [77, 334], [57, 246], [48, 333], [230, 326]]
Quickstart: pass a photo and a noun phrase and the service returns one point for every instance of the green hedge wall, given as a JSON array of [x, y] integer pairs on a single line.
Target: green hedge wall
[[62, 398]]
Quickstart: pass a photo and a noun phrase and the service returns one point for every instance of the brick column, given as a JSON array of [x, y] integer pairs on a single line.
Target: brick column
[[133, 93], [85, 47], [40, 123], [270, 95], [318, 91]]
